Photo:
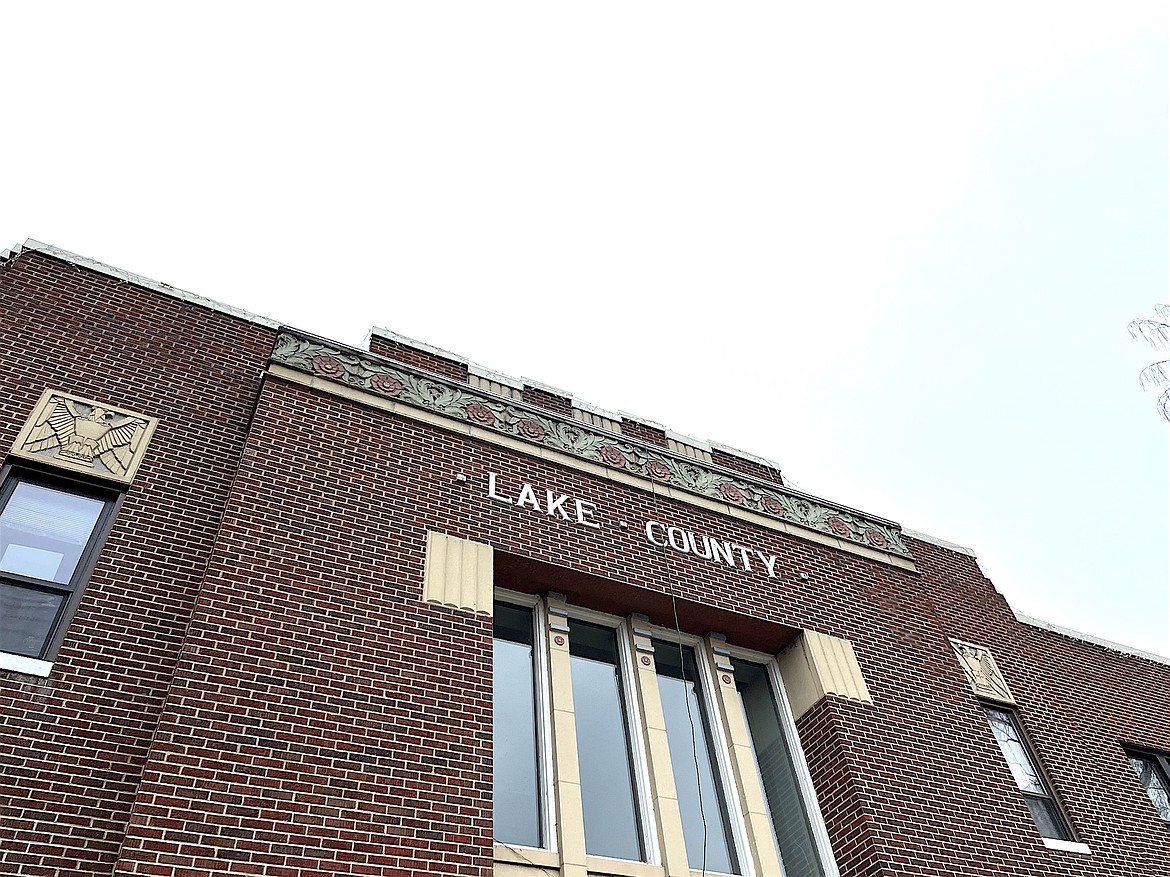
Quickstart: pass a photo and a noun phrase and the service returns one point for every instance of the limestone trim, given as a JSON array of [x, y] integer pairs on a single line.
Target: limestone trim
[[84, 435], [672, 845], [458, 573], [373, 380], [818, 665], [28, 666], [566, 766], [1067, 846]]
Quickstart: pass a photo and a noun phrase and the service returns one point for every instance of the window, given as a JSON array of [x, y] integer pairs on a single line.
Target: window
[[702, 799], [1153, 772], [552, 660], [50, 533], [778, 772], [517, 803], [1045, 811], [609, 794]]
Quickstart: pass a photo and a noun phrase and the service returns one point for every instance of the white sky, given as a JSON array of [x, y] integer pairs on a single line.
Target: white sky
[[892, 246]]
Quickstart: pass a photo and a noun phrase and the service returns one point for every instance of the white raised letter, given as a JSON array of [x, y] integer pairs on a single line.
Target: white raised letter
[[585, 512], [527, 497], [724, 548], [650, 525], [706, 552], [492, 490], [743, 552], [770, 560], [555, 505], [679, 545]]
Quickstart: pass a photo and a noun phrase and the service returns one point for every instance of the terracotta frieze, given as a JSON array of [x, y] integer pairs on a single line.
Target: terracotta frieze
[[324, 359]]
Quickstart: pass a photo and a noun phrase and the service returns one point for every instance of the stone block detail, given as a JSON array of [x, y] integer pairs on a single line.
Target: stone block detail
[[817, 665], [83, 435], [982, 672], [458, 573]]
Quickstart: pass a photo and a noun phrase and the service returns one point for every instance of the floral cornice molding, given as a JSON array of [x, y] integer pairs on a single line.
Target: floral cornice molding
[[431, 392]]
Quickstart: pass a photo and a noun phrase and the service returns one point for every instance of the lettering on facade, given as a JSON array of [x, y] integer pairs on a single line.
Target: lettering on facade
[[551, 503], [582, 513], [706, 547]]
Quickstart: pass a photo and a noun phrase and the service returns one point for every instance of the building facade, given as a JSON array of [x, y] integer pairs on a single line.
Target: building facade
[[274, 605]]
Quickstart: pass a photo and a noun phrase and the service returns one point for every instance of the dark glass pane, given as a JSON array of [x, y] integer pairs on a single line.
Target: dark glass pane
[[1045, 813], [26, 617], [1152, 782], [706, 824], [1047, 817], [43, 531], [1008, 737], [516, 790], [603, 746], [794, 837]]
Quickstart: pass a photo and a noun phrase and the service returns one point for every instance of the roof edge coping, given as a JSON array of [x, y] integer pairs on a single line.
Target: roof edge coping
[[689, 440], [35, 246], [941, 543], [383, 332], [547, 388], [1090, 638], [744, 455], [596, 409], [653, 424], [494, 376]]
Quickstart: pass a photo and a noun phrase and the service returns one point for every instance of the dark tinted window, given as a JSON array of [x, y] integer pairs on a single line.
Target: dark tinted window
[[777, 775], [701, 798], [608, 796], [517, 756]]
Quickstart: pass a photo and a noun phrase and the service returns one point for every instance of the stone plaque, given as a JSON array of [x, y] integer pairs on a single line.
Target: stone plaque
[[85, 436]]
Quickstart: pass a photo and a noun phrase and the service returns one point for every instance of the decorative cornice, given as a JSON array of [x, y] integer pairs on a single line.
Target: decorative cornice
[[325, 359]]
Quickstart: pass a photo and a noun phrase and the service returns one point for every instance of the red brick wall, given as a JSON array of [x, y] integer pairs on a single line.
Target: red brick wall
[[747, 467], [404, 353], [913, 784], [321, 719], [72, 746]]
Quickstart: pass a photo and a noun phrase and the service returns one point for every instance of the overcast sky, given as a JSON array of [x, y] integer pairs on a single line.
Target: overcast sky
[[893, 247]]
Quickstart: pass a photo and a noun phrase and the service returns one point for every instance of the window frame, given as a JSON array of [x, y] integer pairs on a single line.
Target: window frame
[[812, 806], [1037, 765], [629, 632], [11, 476], [1161, 764], [544, 743], [643, 788], [725, 771]]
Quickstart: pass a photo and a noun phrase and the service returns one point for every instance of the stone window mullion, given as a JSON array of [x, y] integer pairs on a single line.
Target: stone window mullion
[[671, 844]]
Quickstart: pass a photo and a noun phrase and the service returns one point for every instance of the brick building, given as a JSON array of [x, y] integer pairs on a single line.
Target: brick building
[[272, 605]]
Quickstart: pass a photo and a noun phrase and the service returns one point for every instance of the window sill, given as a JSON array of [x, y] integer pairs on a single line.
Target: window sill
[[516, 855], [28, 666], [600, 865], [509, 859], [1067, 846]]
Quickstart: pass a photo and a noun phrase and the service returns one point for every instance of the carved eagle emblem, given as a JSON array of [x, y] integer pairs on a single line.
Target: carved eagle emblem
[[83, 433]]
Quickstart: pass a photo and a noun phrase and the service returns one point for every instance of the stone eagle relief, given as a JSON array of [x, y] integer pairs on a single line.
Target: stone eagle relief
[[85, 435]]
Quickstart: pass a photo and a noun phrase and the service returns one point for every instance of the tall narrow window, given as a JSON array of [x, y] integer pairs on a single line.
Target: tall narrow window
[[608, 789], [1045, 811], [50, 532], [1152, 771], [786, 804], [702, 799], [517, 798]]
